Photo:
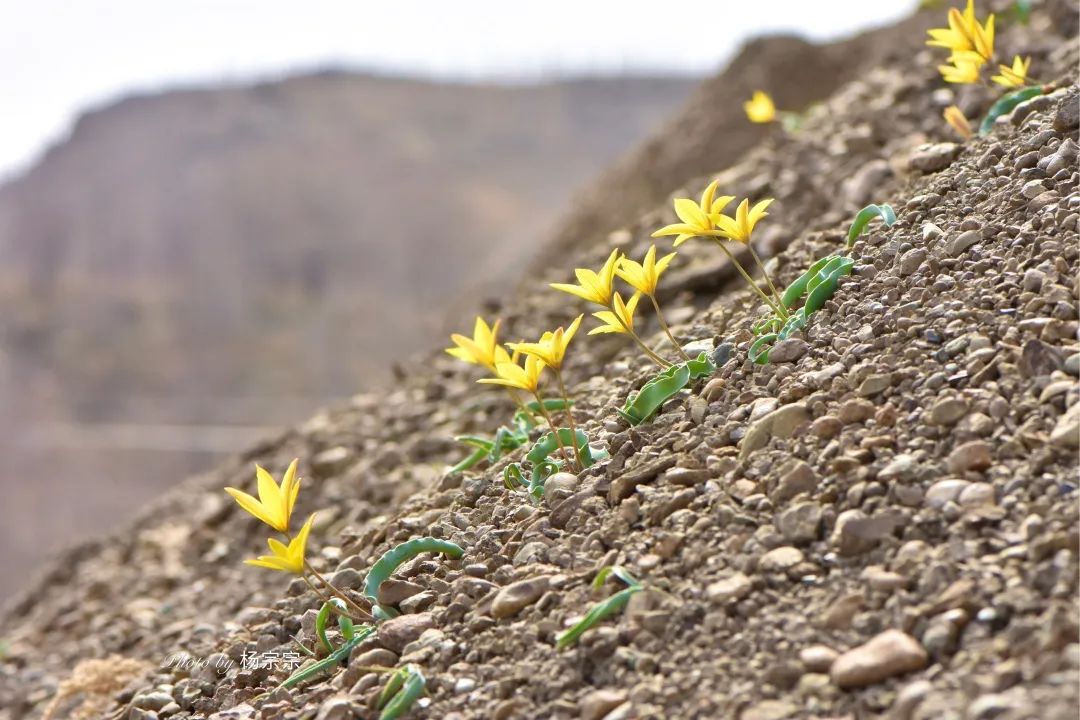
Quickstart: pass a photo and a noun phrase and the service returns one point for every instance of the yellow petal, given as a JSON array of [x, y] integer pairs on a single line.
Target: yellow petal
[[252, 506], [720, 203], [708, 194], [682, 238], [689, 212], [574, 290]]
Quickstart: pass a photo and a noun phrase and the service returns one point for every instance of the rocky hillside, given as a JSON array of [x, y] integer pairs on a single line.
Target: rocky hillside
[[880, 521], [224, 260]]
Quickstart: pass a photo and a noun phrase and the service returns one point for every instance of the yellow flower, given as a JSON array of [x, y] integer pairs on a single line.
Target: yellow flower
[[697, 218], [742, 225], [1015, 76], [644, 276], [619, 321], [482, 349], [275, 504], [513, 375], [760, 108], [965, 34], [289, 558], [552, 345], [956, 119], [594, 287], [963, 71]]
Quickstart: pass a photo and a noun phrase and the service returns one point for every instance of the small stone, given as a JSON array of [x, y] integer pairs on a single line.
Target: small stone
[[1032, 189], [336, 708], [1067, 115], [944, 491], [242, 711], [599, 703], [977, 494], [826, 427], [1038, 359], [152, 700], [1066, 433], [730, 589], [932, 158], [780, 559], [948, 410], [909, 262], [963, 241], [516, 596], [874, 384], [1033, 280], [854, 411], [560, 485], [930, 232], [820, 378], [974, 455], [887, 655], [722, 354], [687, 477], [395, 633], [878, 578], [817, 658], [797, 478], [332, 460], [392, 590], [780, 423], [788, 350], [856, 532], [770, 710], [800, 523], [464, 685], [901, 467]]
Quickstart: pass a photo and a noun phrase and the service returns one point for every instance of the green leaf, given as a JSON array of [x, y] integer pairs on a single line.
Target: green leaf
[[1006, 104], [402, 689], [603, 609], [640, 406], [759, 351], [796, 321], [796, 289], [864, 216], [392, 559]]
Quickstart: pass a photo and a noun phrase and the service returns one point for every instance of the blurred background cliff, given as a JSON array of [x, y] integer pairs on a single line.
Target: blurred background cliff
[[211, 225]]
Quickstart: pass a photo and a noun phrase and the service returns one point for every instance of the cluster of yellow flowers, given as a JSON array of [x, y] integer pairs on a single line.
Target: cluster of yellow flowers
[[706, 219], [274, 506], [971, 46]]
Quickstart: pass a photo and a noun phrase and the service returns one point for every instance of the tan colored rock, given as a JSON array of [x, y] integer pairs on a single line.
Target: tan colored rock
[[887, 655]]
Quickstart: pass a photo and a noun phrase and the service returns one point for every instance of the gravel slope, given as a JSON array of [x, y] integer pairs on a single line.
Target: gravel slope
[[884, 522]]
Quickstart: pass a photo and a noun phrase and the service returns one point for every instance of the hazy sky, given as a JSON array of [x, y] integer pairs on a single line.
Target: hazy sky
[[61, 57]]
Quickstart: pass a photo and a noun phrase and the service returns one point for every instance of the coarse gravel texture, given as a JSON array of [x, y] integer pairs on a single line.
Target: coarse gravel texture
[[883, 523]]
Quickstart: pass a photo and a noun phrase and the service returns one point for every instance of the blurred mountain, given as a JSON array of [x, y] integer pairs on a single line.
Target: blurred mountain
[[190, 269]]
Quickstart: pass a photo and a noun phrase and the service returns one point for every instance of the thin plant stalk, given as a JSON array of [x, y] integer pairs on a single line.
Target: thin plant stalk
[[667, 330], [569, 419], [364, 613], [776, 307], [641, 343], [551, 424], [520, 404], [761, 266]]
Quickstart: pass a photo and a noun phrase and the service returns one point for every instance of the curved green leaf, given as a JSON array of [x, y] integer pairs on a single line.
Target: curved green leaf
[[759, 351], [392, 559], [796, 289], [864, 216], [402, 689], [603, 609], [1006, 104]]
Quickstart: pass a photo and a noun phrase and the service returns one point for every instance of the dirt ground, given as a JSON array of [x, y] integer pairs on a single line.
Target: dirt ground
[[880, 522]]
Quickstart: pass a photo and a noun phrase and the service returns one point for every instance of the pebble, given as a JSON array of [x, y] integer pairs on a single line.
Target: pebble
[[963, 241], [1067, 115], [797, 479], [392, 590], [730, 589], [1066, 433], [977, 494], [394, 634], [788, 350], [817, 658], [874, 384], [826, 427], [770, 710], [336, 708], [559, 485], [800, 523], [510, 600], [599, 703], [909, 262], [901, 467], [944, 491], [973, 455], [780, 423], [856, 411], [887, 655], [932, 158], [856, 532], [780, 559], [948, 410]]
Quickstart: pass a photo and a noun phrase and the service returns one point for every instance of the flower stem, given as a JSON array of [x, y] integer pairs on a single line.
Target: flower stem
[[364, 613], [778, 309], [570, 418], [637, 339], [520, 404], [551, 424], [667, 330], [761, 266]]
